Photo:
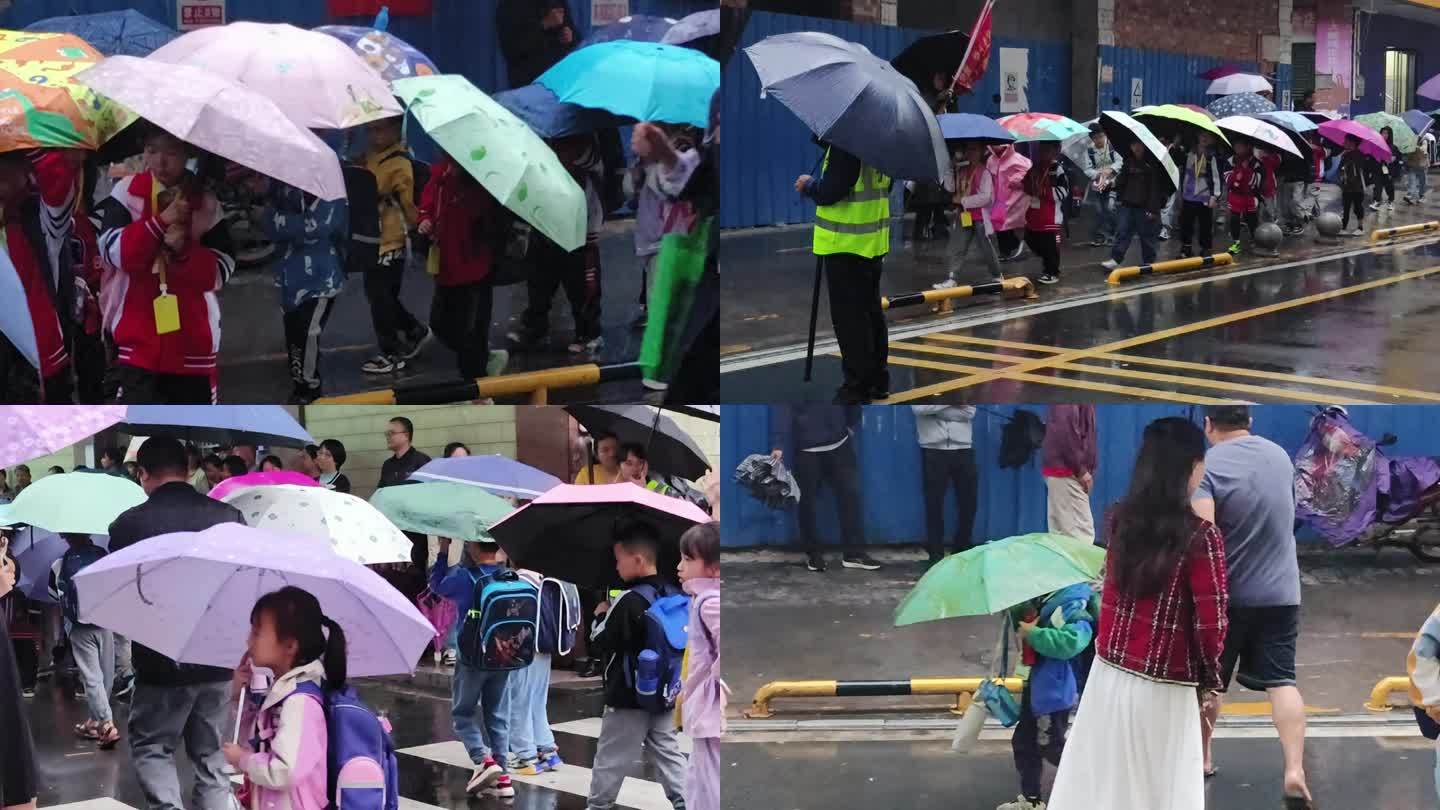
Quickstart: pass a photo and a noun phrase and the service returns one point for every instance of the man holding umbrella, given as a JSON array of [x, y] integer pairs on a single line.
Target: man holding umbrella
[[852, 235]]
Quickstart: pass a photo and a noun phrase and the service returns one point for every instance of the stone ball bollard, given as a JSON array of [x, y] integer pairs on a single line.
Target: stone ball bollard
[[1328, 224]]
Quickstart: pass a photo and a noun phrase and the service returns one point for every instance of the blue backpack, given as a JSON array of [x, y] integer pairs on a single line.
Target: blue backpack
[[655, 672], [500, 629], [361, 772]]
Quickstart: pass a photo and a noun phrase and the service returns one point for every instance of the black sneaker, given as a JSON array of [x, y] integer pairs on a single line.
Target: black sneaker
[[383, 364], [1046, 278], [862, 561], [815, 562], [124, 687], [418, 341]]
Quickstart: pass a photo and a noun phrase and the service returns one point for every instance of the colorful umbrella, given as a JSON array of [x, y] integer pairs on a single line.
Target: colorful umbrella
[[441, 508], [230, 486], [393, 58], [641, 80], [31, 431], [353, 528], [1420, 122], [1122, 130], [188, 596], [1239, 83], [1403, 136], [222, 117], [569, 532], [1240, 104], [42, 104], [636, 27], [112, 33], [500, 152], [222, 424], [972, 127], [997, 576], [1370, 141], [79, 502], [551, 119], [1174, 119], [495, 474], [316, 80]]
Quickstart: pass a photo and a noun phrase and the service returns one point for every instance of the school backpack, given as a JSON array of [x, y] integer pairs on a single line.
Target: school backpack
[[499, 632], [656, 672], [362, 772], [1020, 438], [559, 616], [362, 253], [513, 253]]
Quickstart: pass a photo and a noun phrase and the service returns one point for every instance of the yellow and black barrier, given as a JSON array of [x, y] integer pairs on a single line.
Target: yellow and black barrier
[[1016, 287], [1120, 274], [537, 384], [961, 688], [1380, 695], [1398, 231]]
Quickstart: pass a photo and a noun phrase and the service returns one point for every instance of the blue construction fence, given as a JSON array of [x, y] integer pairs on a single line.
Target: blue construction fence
[[1011, 501]]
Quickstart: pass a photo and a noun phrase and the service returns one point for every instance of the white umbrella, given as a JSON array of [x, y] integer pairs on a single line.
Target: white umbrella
[[1260, 132], [355, 529], [1239, 83]]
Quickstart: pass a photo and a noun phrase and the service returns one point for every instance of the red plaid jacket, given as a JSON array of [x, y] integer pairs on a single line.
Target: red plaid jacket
[[1176, 634]]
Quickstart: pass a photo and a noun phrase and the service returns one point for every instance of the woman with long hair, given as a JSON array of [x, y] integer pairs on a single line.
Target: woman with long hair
[[1136, 738]]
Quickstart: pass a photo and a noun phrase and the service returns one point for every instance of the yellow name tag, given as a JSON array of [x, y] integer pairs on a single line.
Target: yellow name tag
[[167, 314], [966, 220]]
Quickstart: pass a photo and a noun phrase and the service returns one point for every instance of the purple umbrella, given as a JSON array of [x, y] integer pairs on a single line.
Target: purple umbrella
[[1431, 87], [1419, 121], [32, 431], [35, 552], [495, 474], [188, 596], [1371, 143]]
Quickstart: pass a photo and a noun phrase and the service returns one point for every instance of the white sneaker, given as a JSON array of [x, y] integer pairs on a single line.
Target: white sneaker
[[1390, 206], [1374, 206], [1109, 264], [484, 776], [947, 284], [1022, 803]]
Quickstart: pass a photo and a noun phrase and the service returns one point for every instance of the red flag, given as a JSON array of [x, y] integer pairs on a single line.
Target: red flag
[[977, 54]]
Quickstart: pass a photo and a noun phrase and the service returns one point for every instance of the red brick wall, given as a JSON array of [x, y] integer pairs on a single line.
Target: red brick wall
[[1229, 29]]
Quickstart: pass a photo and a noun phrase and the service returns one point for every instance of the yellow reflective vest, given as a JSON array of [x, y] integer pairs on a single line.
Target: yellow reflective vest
[[858, 224]]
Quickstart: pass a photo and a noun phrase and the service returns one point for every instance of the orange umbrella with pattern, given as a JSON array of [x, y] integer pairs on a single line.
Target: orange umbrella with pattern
[[41, 104]]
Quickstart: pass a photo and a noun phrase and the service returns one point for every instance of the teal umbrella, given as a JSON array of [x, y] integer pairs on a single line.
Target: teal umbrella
[[442, 508], [645, 81], [997, 576], [78, 502]]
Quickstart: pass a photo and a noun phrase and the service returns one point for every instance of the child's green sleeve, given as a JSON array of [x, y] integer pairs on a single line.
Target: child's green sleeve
[[1061, 643]]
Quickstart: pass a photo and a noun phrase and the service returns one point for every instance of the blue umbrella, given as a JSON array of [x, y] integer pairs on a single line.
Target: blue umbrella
[[1293, 121], [1240, 104], [699, 25], [390, 56], [637, 27], [113, 33], [1418, 121], [972, 127], [35, 552], [224, 424], [495, 474], [15, 322], [542, 112], [640, 80]]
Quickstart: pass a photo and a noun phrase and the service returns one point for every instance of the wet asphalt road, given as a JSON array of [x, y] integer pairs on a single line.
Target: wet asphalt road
[[1351, 328], [253, 366]]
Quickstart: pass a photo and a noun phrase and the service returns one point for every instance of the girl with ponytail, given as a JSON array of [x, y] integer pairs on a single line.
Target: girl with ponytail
[[285, 758]]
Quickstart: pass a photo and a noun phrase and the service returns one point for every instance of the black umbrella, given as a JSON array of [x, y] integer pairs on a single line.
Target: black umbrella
[[671, 450], [926, 56]]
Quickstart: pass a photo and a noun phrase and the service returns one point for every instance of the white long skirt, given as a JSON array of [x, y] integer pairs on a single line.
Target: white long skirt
[[1135, 745]]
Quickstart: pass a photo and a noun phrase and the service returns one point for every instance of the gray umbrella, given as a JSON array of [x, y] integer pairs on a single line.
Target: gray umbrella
[[1240, 104], [699, 25], [854, 100]]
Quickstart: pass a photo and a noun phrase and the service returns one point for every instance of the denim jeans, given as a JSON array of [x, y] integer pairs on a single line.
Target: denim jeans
[[1419, 182], [481, 690], [1104, 208], [164, 717], [529, 690], [1135, 222]]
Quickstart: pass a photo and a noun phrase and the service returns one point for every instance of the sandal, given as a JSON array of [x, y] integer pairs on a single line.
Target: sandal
[[87, 730], [108, 737]]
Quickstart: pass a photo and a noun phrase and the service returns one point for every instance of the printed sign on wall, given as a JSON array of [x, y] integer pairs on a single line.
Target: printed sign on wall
[[1014, 78], [194, 14]]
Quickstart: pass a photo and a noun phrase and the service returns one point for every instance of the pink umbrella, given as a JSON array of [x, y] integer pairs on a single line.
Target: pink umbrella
[[568, 533], [315, 79], [1371, 142], [31, 431], [220, 116], [260, 479], [1220, 72]]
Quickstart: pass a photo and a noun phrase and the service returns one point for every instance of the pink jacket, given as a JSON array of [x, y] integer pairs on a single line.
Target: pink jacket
[[1007, 171], [288, 772], [704, 692]]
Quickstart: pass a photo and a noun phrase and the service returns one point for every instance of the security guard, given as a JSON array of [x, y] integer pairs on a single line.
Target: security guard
[[852, 234]]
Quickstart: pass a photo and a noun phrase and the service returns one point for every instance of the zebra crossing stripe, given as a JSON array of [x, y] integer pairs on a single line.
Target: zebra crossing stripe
[[590, 727]]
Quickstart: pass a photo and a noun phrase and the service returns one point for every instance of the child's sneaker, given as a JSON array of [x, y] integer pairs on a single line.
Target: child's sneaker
[[1022, 803], [591, 347], [1234, 249], [418, 341], [383, 364], [512, 761], [550, 761], [497, 361], [1109, 264], [505, 789], [486, 774], [948, 284], [527, 767], [448, 658]]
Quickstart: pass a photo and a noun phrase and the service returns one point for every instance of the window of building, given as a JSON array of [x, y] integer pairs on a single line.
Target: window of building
[[1399, 80]]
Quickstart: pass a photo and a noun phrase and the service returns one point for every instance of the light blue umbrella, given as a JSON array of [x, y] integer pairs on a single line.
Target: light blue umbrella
[[645, 81], [1419, 121], [113, 33], [1293, 121], [636, 27], [224, 424], [495, 474], [15, 322], [1240, 104], [550, 118], [972, 127]]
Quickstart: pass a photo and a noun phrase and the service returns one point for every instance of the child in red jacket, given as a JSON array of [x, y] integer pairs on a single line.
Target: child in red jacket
[[460, 216], [162, 241], [1243, 187]]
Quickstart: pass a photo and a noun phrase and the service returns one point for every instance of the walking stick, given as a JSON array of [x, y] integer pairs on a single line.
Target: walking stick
[[814, 315]]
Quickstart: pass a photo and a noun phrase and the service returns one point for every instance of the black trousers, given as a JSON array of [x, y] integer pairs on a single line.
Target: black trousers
[[697, 379], [1352, 200], [88, 358], [1250, 220], [460, 316], [578, 272], [1197, 219], [27, 661], [854, 286], [928, 217], [394, 325], [17, 749], [1030, 754], [1007, 241], [1384, 184], [946, 470], [838, 470], [1046, 245], [303, 327], [140, 387]]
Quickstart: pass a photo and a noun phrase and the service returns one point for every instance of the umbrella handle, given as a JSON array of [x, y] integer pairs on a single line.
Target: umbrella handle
[[240, 712]]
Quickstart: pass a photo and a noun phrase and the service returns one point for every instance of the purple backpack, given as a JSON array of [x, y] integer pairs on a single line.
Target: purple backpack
[[362, 772]]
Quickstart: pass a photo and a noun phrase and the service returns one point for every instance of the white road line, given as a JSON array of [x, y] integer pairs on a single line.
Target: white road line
[[796, 351], [102, 803], [641, 794], [590, 727]]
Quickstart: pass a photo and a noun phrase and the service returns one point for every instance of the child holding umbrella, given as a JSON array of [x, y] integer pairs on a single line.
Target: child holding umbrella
[[1046, 188], [1242, 193], [974, 194], [1141, 188]]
